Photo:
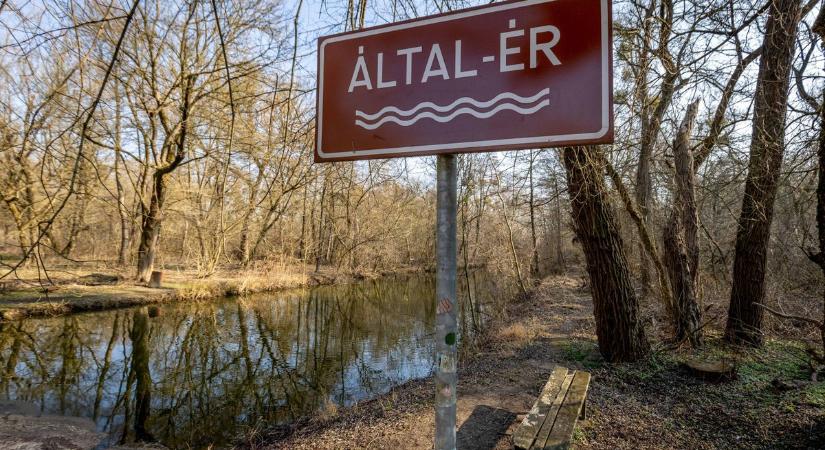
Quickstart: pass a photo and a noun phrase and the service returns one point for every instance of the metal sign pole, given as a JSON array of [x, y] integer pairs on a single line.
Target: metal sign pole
[[446, 306], [369, 105]]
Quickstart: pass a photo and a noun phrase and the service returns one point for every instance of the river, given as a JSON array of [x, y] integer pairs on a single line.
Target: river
[[201, 373]]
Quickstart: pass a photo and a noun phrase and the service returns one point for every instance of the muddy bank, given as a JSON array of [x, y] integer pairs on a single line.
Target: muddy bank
[[96, 291], [652, 404], [23, 427]]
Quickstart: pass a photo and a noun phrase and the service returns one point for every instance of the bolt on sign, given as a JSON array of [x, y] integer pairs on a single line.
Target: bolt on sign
[[519, 74]]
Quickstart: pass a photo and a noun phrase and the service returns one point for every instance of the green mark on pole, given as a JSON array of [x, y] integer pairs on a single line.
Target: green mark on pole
[[450, 338]]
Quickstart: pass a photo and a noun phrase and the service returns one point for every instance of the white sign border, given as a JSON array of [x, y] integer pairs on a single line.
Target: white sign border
[[400, 151]]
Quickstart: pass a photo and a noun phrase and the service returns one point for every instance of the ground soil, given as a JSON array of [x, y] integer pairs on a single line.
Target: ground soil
[[22, 427], [652, 404]]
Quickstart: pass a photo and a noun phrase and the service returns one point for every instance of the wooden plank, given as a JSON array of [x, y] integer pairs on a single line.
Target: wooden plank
[[562, 431], [526, 432], [552, 415]]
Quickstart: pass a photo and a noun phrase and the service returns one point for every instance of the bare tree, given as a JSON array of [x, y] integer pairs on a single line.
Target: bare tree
[[616, 307], [681, 236], [767, 146]]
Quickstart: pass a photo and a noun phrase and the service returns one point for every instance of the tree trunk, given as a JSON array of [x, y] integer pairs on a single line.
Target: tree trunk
[[123, 247], [561, 267], [680, 238], [243, 246], [302, 241], [152, 218], [511, 240], [819, 258], [642, 199], [534, 265], [647, 241], [150, 229], [648, 136], [619, 330], [319, 244], [244, 250], [744, 324]]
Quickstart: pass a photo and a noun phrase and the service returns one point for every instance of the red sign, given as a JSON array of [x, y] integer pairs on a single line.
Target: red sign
[[521, 74]]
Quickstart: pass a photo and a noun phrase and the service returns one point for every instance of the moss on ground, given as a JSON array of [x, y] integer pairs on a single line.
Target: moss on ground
[[814, 395], [584, 352]]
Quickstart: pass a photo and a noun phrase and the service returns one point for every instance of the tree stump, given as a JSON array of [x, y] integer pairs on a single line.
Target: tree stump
[[714, 371], [156, 279]]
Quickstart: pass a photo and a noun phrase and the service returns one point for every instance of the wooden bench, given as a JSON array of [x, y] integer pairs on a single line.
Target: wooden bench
[[550, 423]]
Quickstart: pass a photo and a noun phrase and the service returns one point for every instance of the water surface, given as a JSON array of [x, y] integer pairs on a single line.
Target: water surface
[[207, 372]]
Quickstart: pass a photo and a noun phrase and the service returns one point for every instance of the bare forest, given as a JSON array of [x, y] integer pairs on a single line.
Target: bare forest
[[178, 136]]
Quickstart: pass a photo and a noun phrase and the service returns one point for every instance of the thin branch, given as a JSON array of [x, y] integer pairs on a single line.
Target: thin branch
[[814, 322], [83, 133]]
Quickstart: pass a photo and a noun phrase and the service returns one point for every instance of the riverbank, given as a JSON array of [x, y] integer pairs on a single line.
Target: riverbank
[[651, 404], [24, 426], [75, 290]]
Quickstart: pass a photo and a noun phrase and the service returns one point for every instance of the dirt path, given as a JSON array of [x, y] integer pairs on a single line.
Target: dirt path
[[652, 404]]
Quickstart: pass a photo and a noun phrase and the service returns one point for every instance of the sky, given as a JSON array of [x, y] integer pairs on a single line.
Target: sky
[[322, 17]]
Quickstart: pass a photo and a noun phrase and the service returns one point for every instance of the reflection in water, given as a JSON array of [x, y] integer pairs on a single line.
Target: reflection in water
[[139, 335], [202, 373]]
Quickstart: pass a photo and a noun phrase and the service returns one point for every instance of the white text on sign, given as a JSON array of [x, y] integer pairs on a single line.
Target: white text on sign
[[542, 39]]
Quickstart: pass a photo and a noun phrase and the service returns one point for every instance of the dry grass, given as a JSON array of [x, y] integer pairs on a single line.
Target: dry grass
[[517, 334], [328, 411], [271, 280], [74, 289]]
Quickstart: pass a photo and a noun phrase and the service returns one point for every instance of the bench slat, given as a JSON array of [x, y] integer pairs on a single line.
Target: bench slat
[[553, 416], [562, 430], [526, 433]]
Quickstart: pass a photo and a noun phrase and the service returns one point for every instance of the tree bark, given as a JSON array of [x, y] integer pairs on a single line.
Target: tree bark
[[150, 229], [652, 116], [319, 244], [534, 265], [819, 258], [123, 214], [646, 238], [561, 267], [244, 250], [680, 237], [512, 244], [618, 328], [744, 324], [153, 216], [243, 246]]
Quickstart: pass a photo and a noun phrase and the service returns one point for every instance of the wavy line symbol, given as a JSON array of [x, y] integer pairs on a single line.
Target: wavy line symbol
[[505, 101]]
